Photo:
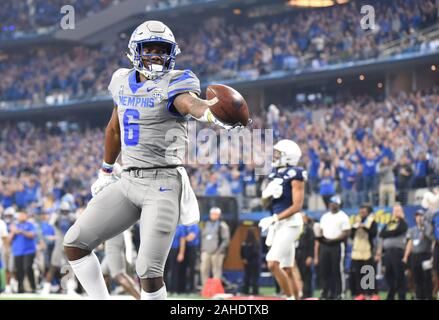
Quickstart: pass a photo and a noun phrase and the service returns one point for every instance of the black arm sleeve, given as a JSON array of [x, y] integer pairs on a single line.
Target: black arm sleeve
[[373, 230]]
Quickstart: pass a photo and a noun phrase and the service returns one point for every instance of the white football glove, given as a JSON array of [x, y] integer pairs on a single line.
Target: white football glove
[[265, 223], [209, 117], [274, 189], [105, 179]]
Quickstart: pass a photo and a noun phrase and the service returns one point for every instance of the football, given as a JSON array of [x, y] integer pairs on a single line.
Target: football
[[231, 107]]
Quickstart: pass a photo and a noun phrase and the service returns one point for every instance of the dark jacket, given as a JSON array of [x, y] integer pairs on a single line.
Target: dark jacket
[[305, 248]]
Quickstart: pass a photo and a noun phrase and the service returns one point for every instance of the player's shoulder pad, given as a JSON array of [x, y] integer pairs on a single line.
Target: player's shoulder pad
[[181, 74], [296, 173], [120, 73], [183, 81]]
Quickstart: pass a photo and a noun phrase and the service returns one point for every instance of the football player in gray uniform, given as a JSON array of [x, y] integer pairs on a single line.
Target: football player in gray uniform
[[153, 103]]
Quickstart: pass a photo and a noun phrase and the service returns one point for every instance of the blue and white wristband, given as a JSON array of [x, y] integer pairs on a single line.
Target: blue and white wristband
[[106, 167]]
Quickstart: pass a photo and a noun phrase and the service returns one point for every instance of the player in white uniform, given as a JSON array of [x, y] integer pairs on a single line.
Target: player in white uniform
[[286, 191], [148, 127]]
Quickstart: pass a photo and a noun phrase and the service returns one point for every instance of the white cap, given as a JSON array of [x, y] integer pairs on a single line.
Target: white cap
[[65, 206], [10, 211], [215, 209]]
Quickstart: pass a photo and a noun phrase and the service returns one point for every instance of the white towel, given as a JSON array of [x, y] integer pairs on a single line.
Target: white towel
[[270, 235], [189, 211], [128, 246]]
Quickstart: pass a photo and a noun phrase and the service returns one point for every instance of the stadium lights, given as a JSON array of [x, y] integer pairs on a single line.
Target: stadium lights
[[237, 11], [433, 67], [380, 85], [362, 77], [339, 80], [315, 3]]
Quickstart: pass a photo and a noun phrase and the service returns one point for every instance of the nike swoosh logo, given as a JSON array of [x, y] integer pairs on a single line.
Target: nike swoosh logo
[[149, 89], [164, 189]]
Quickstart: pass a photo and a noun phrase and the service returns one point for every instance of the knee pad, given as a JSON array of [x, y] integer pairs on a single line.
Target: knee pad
[[146, 269], [71, 236], [74, 237]]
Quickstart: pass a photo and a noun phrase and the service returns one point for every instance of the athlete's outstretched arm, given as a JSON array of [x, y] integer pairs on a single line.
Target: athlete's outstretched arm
[[189, 103], [298, 194], [112, 139]]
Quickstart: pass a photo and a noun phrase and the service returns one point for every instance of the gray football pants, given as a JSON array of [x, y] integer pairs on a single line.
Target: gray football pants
[[153, 196]]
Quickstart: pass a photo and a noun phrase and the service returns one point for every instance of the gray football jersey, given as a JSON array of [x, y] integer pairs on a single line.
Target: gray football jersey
[[153, 133]]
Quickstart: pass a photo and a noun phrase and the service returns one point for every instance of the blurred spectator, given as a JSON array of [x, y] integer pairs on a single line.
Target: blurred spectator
[[387, 191], [329, 250], [8, 258], [369, 163], [314, 165], [23, 243], [393, 242], [251, 258], [212, 186], [47, 239], [421, 171], [175, 260], [327, 185], [347, 174], [215, 238], [404, 175], [305, 256], [61, 222], [190, 257], [418, 248], [364, 231], [3, 243], [359, 186]]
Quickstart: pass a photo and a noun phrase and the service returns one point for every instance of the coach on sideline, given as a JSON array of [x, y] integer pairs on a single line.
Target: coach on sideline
[[215, 238], [393, 240], [330, 248]]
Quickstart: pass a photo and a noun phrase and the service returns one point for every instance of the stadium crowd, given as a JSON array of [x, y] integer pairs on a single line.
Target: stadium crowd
[[365, 150], [222, 50], [28, 16]]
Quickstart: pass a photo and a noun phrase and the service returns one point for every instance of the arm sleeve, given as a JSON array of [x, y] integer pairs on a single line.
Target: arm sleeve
[[182, 81], [373, 230]]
